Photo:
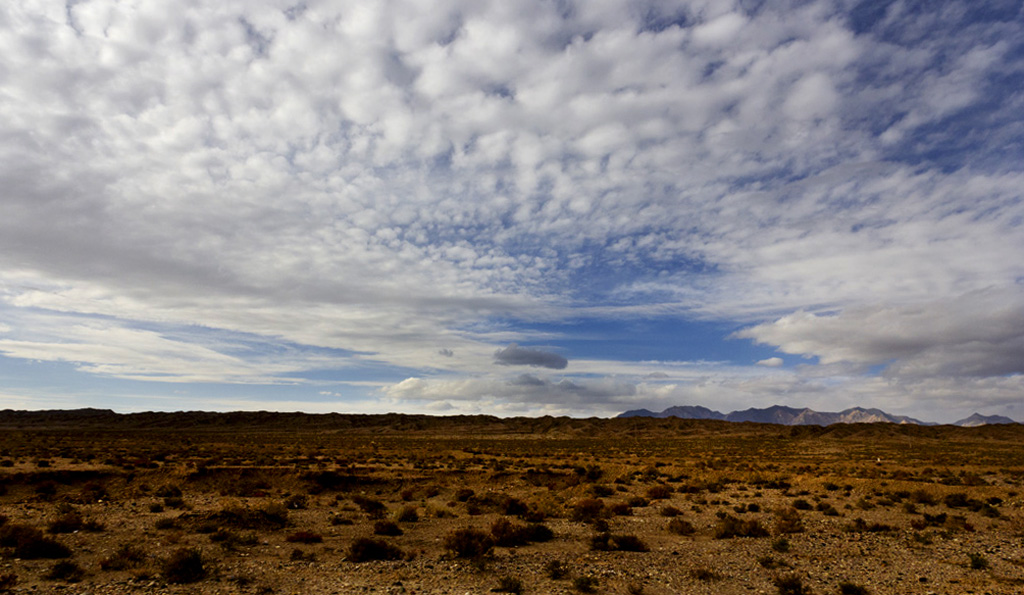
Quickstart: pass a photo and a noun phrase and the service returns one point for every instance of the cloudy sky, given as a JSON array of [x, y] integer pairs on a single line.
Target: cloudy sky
[[517, 208]]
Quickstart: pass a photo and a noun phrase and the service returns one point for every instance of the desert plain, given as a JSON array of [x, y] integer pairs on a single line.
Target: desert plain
[[93, 502]]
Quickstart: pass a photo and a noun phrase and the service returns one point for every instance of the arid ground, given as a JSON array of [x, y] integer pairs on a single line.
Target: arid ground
[[99, 503]]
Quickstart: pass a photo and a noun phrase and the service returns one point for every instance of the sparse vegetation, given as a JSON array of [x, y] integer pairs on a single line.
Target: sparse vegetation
[[790, 585], [367, 549], [585, 584], [66, 571], [261, 512], [468, 543], [185, 565], [508, 584]]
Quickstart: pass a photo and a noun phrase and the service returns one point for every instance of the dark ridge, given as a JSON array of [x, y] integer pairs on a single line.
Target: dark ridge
[[93, 420]]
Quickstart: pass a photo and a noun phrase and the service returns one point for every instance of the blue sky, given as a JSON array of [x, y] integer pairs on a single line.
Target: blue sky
[[515, 208]]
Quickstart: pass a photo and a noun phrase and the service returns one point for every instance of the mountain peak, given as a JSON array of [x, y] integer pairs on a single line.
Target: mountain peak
[[784, 415], [978, 419]]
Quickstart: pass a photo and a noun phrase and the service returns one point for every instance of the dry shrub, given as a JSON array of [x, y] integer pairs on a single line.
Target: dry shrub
[[185, 565], [681, 527], [556, 569], [859, 525], [659, 492], [588, 510], [788, 520], [606, 542], [68, 522], [408, 514], [375, 509], [730, 526], [790, 585], [366, 549], [306, 537], [703, 573], [271, 517], [29, 543], [67, 571], [670, 511], [508, 584], [468, 543], [505, 533], [124, 557], [387, 528], [585, 584]]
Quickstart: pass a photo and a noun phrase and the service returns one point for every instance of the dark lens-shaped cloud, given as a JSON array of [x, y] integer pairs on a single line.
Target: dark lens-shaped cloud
[[514, 355]]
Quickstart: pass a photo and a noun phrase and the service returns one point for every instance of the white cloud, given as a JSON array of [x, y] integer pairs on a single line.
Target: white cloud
[[409, 183], [977, 334], [771, 362]]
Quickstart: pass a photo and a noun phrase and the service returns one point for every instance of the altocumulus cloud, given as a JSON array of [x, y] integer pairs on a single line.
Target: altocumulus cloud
[[514, 355], [265, 193]]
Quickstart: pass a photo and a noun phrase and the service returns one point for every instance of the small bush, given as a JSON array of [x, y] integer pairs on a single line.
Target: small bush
[[387, 528], [271, 517], [770, 562], [29, 543], [408, 514], [185, 565], [978, 561], [607, 542], [67, 571], [681, 527], [463, 494], [167, 523], [846, 588], [790, 585], [508, 584], [508, 534], [298, 555], [124, 557], [468, 543], [788, 520], [366, 549], [670, 511], [859, 525], [174, 502], [68, 522], [587, 510], [659, 492], [306, 537], [168, 491], [702, 573], [585, 584], [922, 497], [375, 509], [556, 569], [781, 545], [730, 526]]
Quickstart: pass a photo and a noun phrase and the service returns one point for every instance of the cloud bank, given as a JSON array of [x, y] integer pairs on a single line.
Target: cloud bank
[[264, 193]]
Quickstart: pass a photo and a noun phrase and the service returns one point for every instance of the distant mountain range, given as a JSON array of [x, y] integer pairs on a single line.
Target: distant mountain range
[[790, 416]]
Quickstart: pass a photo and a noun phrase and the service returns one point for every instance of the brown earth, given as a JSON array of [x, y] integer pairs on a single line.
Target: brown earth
[[99, 503]]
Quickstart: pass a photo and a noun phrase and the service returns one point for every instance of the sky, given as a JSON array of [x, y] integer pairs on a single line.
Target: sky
[[540, 207]]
